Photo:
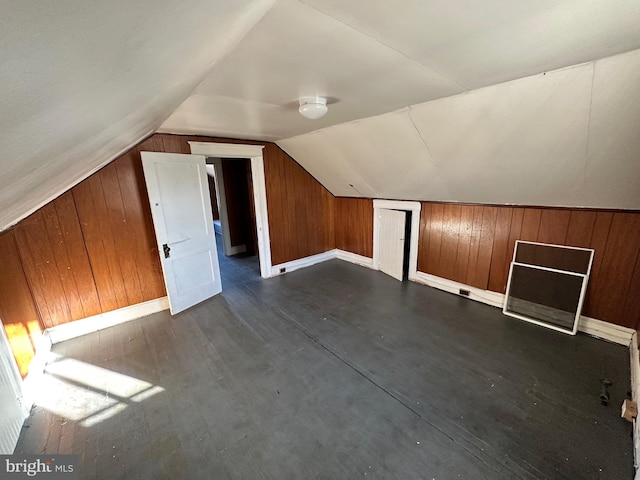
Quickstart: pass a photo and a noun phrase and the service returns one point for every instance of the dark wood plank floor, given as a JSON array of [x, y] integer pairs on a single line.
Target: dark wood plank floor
[[339, 372]]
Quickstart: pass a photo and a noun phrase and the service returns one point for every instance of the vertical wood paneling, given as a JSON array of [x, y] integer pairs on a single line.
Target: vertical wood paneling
[[449, 240], [41, 269], [137, 215], [617, 268], [631, 310], [424, 238], [301, 211], [65, 233], [100, 242], [474, 246], [498, 274], [18, 310], [597, 288], [514, 234], [485, 250], [464, 243], [554, 225], [530, 224], [354, 225], [580, 229], [485, 239], [174, 144], [435, 239]]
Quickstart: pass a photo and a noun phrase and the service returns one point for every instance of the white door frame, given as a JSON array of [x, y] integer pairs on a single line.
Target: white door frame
[[254, 153], [414, 208]]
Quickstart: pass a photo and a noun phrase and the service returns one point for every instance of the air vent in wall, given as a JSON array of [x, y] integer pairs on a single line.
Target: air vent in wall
[[547, 284]]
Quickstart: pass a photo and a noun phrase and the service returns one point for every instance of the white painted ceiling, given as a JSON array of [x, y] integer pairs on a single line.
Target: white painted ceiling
[[84, 80]]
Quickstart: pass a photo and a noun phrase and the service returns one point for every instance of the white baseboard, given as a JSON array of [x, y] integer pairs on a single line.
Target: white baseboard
[[590, 326], [92, 324], [485, 296], [635, 393], [354, 258], [302, 263], [236, 249], [608, 331]]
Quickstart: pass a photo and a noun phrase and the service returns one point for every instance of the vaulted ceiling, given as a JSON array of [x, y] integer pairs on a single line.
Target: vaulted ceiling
[[431, 99]]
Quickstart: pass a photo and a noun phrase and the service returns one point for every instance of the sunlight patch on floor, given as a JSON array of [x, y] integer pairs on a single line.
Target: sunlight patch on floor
[[88, 394]]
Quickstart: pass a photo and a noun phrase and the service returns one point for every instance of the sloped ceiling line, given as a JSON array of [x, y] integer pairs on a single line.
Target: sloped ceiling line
[[380, 41], [426, 146]]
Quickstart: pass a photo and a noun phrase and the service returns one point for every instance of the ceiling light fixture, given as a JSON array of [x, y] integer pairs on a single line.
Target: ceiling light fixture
[[313, 107]]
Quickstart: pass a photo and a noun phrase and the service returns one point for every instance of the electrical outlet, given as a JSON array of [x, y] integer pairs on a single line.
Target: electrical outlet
[[466, 293]]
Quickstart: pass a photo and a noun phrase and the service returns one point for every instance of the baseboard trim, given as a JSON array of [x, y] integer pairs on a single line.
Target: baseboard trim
[[590, 326], [236, 249], [635, 393], [605, 330], [92, 324], [294, 265], [485, 296], [354, 258]]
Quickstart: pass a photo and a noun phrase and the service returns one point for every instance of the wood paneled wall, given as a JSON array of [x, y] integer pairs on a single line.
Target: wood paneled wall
[[354, 225], [18, 310], [93, 249], [301, 211], [473, 244]]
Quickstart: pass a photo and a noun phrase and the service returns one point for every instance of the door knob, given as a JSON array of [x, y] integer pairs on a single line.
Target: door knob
[[166, 250]]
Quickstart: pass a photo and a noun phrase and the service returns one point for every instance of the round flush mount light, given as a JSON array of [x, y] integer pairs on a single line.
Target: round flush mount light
[[313, 107]]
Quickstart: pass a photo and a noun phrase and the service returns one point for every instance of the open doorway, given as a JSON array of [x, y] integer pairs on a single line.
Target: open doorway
[[234, 217], [254, 153]]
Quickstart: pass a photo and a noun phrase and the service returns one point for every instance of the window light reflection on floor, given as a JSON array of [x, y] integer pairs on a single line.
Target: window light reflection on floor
[[86, 393]]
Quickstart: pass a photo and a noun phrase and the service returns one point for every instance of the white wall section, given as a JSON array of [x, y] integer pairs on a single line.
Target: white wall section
[[564, 138]]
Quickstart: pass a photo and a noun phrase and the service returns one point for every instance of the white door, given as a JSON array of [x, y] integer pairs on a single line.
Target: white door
[[181, 210], [392, 228], [12, 410]]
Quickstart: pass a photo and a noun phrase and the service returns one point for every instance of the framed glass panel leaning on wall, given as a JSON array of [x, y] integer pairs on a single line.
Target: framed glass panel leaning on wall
[[547, 284]]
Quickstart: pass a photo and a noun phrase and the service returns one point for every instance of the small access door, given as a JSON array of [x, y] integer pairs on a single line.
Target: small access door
[[181, 210], [392, 232]]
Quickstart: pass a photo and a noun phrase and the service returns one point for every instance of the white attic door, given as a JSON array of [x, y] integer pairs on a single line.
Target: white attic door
[[392, 232]]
